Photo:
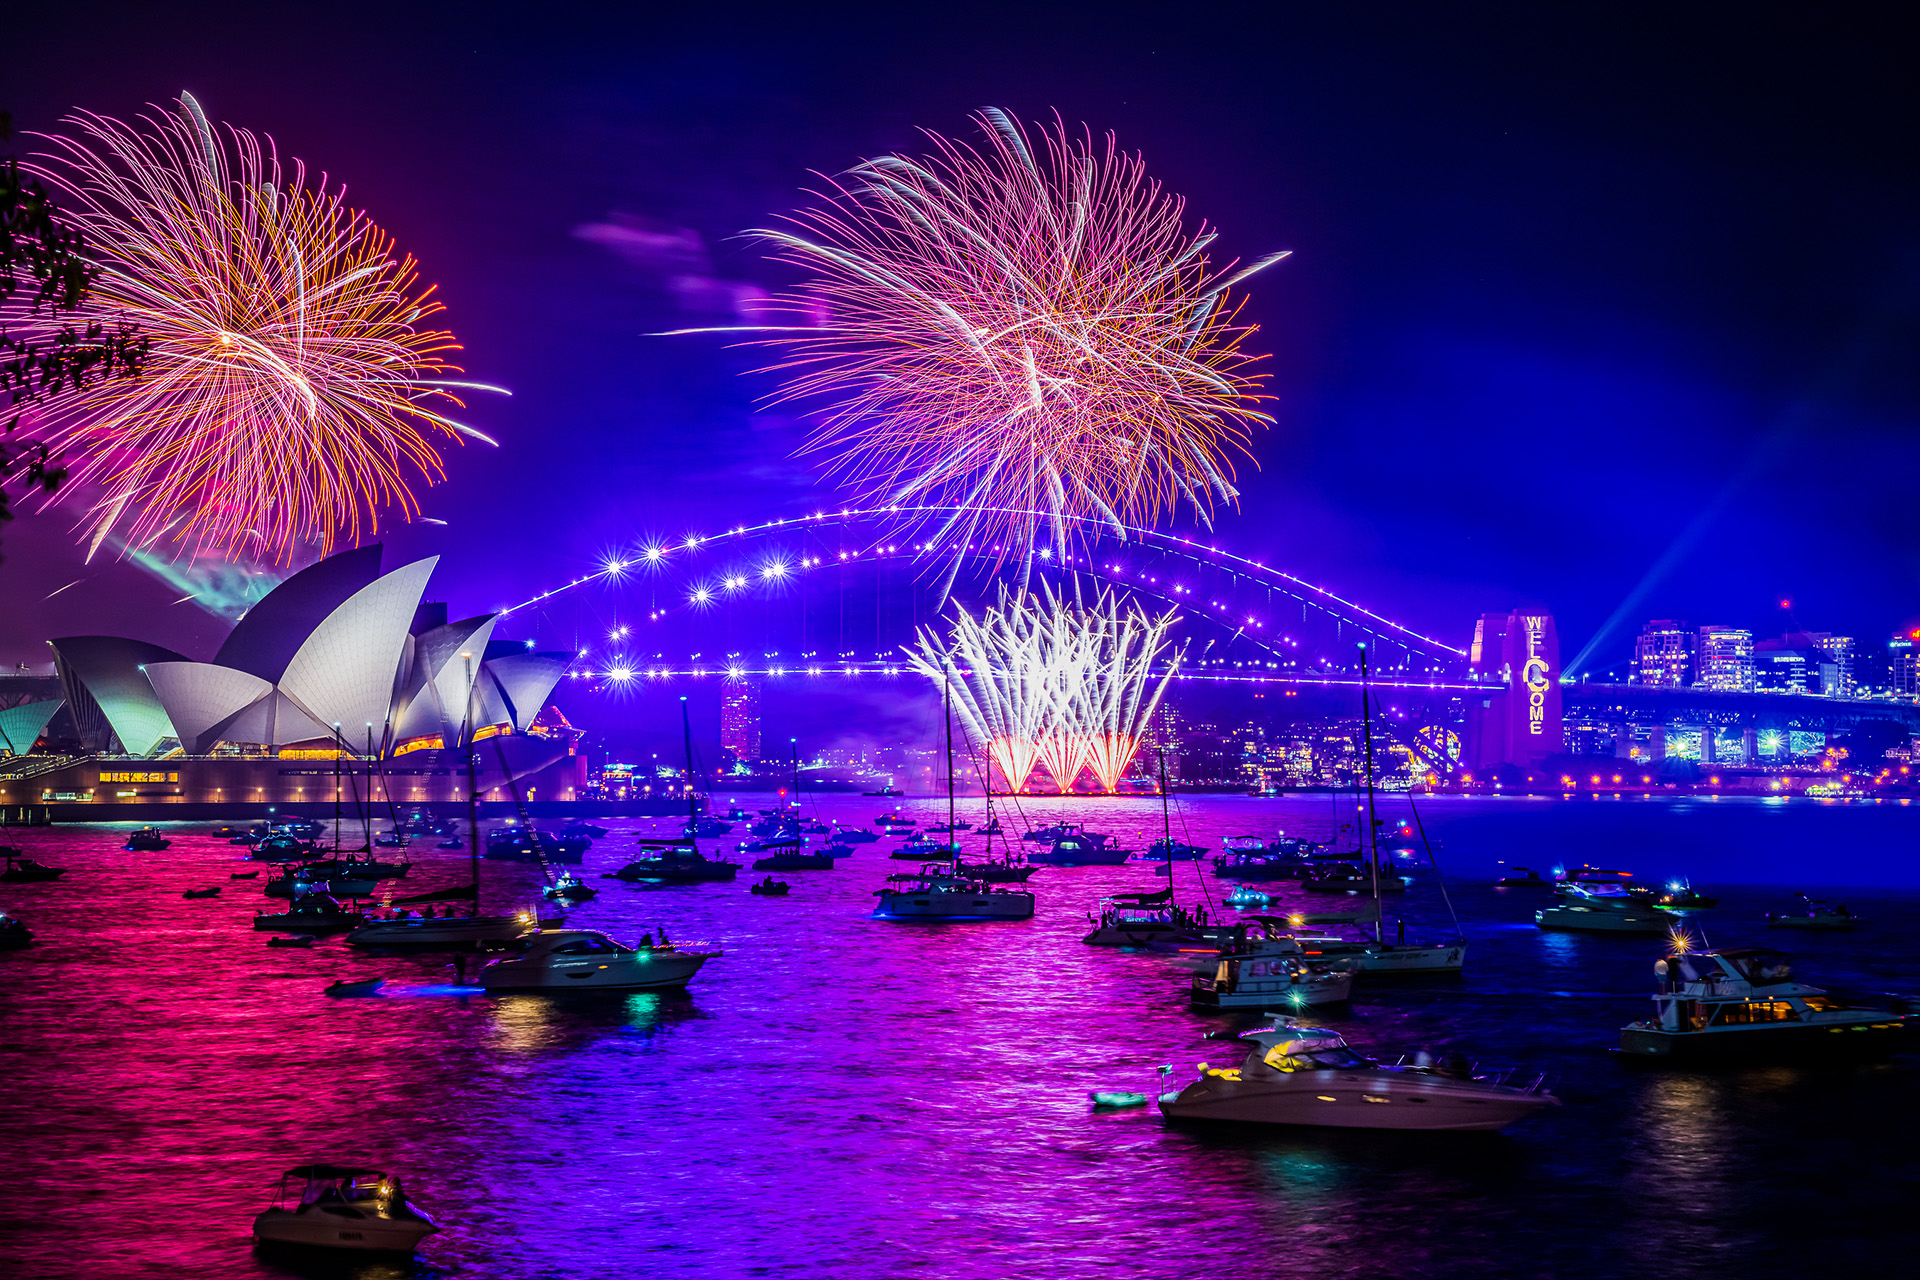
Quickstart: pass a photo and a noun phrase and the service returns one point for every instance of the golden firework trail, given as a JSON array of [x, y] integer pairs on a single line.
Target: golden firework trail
[[291, 392]]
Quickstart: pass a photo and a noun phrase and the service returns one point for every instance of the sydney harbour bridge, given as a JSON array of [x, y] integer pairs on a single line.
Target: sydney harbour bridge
[[832, 596]]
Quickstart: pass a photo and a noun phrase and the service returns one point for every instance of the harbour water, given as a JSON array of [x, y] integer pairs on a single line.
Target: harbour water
[[842, 1097]]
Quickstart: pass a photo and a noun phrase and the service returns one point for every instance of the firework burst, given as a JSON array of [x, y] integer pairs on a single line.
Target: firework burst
[[1030, 335], [290, 393], [1056, 681]]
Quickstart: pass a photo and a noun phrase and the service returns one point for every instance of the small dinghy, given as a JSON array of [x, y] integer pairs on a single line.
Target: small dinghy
[[1117, 1099], [362, 987], [202, 893], [304, 941], [243, 875], [568, 889]]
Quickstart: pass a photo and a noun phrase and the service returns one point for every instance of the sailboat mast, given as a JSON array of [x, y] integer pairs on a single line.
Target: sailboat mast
[[693, 809], [946, 705], [473, 788], [1368, 842], [1166, 823]]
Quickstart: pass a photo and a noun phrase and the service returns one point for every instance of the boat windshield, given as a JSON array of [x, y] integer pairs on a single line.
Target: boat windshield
[[1762, 966], [589, 946], [1336, 1059]]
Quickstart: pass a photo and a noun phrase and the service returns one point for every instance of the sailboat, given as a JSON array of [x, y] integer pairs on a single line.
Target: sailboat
[[468, 930], [788, 851], [677, 861], [948, 893], [1376, 954]]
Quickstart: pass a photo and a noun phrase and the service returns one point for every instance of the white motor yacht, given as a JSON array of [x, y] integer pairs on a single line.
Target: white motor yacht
[[933, 894], [1309, 1076], [1602, 909], [586, 960], [440, 931], [337, 1207], [1264, 968], [1743, 1002]]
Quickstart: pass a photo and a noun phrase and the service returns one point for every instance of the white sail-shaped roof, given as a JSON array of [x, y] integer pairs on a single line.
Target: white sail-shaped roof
[[344, 673], [21, 726], [202, 699], [107, 670], [524, 682]]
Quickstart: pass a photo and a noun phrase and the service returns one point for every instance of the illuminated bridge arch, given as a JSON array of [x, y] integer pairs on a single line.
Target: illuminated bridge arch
[[751, 595]]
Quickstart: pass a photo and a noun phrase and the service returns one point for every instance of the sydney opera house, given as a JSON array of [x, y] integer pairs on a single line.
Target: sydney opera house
[[340, 672]]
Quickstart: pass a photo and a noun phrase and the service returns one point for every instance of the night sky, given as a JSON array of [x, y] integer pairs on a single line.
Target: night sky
[[1591, 307]]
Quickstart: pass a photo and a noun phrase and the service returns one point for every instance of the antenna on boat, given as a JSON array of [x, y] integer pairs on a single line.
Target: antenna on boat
[[1370, 841]]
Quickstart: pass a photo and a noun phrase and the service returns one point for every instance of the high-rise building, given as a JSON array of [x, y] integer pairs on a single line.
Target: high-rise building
[[740, 717], [1903, 656], [1724, 660], [1663, 654], [1781, 668], [1835, 654]]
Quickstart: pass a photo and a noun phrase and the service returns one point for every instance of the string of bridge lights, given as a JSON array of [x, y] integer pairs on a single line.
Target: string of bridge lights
[[659, 554], [628, 674]]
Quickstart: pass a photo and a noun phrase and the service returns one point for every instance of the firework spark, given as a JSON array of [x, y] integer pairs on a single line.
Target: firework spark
[[290, 393], [1054, 681], [1031, 335]]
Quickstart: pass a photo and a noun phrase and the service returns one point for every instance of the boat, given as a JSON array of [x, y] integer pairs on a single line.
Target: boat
[[585, 960], [1743, 1003], [894, 820], [391, 840], [1531, 880], [770, 888], [1244, 896], [514, 843], [214, 892], [886, 792], [933, 894], [1310, 1076], [1376, 956], [1047, 835], [1818, 915], [14, 934], [569, 889], [946, 828], [341, 1207], [1681, 896], [706, 827], [243, 875], [1077, 848], [304, 881], [673, 862], [354, 987], [581, 827], [991, 872], [920, 849], [24, 870], [1171, 850], [431, 931], [852, 835], [993, 825], [1138, 920], [351, 868], [1264, 968], [1351, 879], [311, 913], [282, 849], [1601, 909], [146, 840], [301, 940], [1249, 858]]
